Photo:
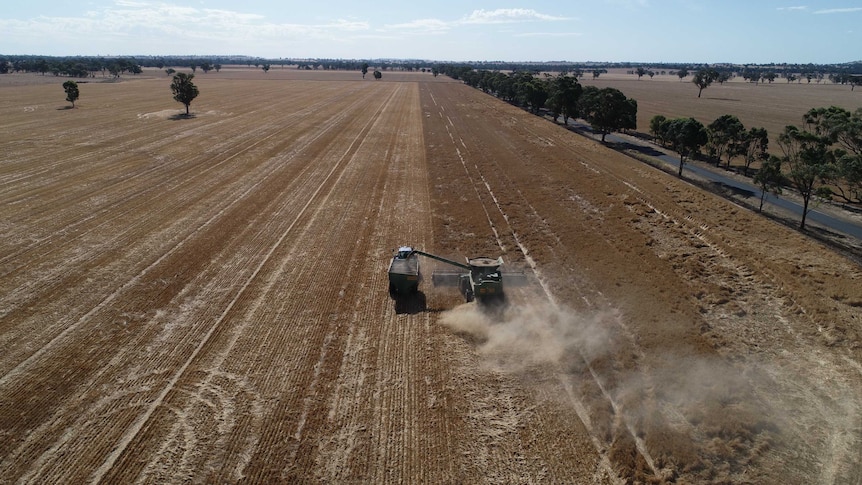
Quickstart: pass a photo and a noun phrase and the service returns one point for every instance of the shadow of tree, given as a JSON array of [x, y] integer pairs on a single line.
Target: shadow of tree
[[182, 116]]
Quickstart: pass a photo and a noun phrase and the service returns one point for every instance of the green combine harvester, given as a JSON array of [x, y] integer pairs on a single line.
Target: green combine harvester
[[478, 279]]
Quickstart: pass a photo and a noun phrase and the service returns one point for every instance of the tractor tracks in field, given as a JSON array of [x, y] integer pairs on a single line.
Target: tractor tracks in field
[[484, 191], [124, 238], [315, 202], [191, 169], [179, 245], [747, 305]]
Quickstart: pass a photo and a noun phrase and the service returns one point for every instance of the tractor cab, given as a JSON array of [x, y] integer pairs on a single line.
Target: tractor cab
[[404, 252]]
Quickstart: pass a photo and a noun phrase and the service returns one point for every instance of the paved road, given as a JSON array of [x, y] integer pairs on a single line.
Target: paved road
[[716, 176]]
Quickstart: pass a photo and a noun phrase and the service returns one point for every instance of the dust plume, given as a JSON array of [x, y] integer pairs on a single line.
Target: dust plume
[[519, 337]]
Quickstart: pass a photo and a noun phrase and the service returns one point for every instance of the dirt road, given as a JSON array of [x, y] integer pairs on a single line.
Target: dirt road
[[205, 299]]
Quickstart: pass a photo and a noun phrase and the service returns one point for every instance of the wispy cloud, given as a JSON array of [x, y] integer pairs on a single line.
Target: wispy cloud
[[506, 16], [127, 17], [476, 17], [801, 7], [839, 10]]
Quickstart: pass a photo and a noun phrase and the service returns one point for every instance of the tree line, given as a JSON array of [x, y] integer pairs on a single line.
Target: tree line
[[606, 109], [70, 67], [822, 157], [843, 73]]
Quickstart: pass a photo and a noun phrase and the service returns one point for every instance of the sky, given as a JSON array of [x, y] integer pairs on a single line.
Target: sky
[[647, 31]]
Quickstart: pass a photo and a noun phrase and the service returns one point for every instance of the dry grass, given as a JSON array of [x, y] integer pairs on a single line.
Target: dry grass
[[771, 106]]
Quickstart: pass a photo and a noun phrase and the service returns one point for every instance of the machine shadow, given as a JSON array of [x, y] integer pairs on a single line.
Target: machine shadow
[[409, 304]]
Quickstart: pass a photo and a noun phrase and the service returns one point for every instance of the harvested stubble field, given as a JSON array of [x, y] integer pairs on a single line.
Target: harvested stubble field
[[767, 105], [205, 299]]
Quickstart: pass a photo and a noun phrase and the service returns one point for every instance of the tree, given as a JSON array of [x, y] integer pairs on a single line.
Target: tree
[[184, 89], [849, 173], [755, 146], [530, 91], [726, 135], [769, 178], [656, 128], [170, 71], [71, 88], [265, 67], [640, 72], [563, 97], [608, 110], [365, 70], [844, 129], [682, 73], [686, 136], [377, 74], [751, 75], [809, 162], [704, 78]]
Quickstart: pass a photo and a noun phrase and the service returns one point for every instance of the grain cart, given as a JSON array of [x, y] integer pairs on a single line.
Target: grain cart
[[479, 278], [404, 275]]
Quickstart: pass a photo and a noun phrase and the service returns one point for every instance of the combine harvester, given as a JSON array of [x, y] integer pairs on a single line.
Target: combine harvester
[[478, 279]]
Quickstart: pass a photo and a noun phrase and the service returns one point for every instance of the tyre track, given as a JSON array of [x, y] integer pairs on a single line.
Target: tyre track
[[143, 274], [484, 191], [238, 145], [311, 212], [36, 289]]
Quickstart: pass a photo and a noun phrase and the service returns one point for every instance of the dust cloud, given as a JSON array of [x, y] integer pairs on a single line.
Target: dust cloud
[[519, 337], [698, 415]]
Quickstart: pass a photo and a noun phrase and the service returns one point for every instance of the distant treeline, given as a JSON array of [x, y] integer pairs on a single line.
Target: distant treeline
[[90, 66], [849, 73]]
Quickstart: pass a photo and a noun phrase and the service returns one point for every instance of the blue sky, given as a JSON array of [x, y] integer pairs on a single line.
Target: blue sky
[[740, 31]]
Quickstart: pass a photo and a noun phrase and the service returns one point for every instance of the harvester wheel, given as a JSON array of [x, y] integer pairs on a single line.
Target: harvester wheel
[[466, 289]]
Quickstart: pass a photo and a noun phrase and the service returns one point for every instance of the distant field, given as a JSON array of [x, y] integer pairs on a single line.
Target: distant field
[[771, 106]]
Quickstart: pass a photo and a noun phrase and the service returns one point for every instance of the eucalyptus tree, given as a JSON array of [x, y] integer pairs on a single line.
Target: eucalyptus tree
[[769, 178], [71, 88], [810, 163], [184, 89], [607, 110], [726, 135], [564, 92], [686, 136], [843, 130], [704, 78], [755, 147], [657, 128]]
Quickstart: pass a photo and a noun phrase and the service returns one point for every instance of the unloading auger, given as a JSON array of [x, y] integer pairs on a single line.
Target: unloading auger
[[479, 278]]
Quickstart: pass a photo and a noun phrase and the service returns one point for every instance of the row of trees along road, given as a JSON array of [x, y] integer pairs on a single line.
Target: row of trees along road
[[605, 109], [823, 158], [725, 139]]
